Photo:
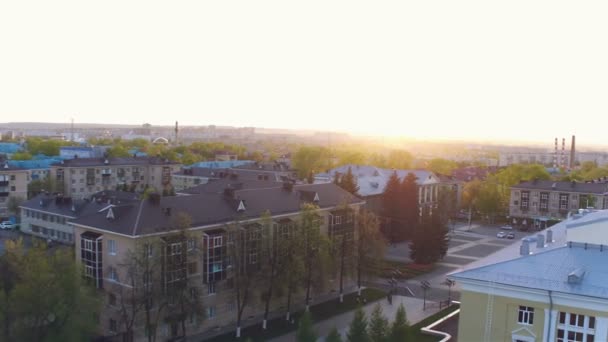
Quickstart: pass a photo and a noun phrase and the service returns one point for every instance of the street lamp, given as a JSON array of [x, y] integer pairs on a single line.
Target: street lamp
[[425, 286], [449, 283]]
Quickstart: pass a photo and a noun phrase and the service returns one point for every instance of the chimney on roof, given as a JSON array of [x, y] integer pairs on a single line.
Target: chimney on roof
[[576, 276], [540, 241], [524, 249], [549, 236]]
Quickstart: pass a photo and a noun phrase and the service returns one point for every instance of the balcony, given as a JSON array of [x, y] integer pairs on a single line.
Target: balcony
[[3, 194], [3, 183]]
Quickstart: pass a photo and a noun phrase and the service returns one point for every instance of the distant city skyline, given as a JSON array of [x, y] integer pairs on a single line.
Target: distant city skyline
[[516, 71]]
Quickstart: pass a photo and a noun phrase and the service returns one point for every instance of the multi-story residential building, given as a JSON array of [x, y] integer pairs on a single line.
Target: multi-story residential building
[[48, 215], [13, 183], [82, 177], [538, 201], [552, 287], [107, 239]]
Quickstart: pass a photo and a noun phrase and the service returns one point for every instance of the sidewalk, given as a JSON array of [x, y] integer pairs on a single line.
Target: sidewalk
[[413, 309]]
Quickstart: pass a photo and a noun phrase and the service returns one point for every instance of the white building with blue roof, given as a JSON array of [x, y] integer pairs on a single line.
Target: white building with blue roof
[[553, 286]]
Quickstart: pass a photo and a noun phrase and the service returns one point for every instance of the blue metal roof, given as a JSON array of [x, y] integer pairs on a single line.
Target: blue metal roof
[[6, 147], [221, 164]]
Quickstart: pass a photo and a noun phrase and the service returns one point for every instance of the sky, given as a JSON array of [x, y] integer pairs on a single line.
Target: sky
[[519, 70]]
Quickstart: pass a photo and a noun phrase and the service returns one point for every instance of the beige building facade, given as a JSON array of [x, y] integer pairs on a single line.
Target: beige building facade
[[13, 183]]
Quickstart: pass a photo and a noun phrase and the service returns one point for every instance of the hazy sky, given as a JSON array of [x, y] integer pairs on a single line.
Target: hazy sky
[[528, 69]]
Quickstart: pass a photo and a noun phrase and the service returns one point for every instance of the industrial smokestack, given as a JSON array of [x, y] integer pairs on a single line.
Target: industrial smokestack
[[572, 152], [176, 131], [555, 155], [563, 159]]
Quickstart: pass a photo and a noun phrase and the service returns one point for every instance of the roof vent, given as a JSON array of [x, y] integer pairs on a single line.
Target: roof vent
[[553, 186], [106, 162], [576, 276], [316, 199], [540, 241], [524, 249], [6, 165], [241, 206], [110, 214]]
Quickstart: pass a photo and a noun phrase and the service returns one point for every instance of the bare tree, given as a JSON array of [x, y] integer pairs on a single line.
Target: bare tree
[[270, 253], [315, 247], [369, 245]]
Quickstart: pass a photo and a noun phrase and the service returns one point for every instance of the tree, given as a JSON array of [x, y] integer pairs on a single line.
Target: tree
[[118, 151], [341, 242], [442, 166], [245, 242], [270, 249], [21, 156], [334, 336], [349, 182], [369, 246], [430, 241], [400, 160], [43, 296], [37, 186], [391, 207], [13, 205], [292, 263], [378, 325], [357, 331], [408, 205], [314, 249], [309, 159], [305, 331], [400, 329]]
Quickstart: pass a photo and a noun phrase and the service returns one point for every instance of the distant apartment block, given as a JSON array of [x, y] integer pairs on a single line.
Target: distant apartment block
[[82, 177], [542, 200], [70, 152], [13, 183]]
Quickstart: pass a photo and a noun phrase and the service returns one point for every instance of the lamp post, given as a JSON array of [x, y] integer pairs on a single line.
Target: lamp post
[[425, 286], [449, 283]]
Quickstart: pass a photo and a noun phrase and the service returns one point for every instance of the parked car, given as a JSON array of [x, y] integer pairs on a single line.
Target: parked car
[[501, 235], [511, 236], [7, 225], [506, 227]]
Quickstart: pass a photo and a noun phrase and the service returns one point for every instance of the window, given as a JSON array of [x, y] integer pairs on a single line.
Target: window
[[210, 312], [12, 177], [112, 247], [148, 250], [191, 244], [253, 258], [217, 241], [113, 274], [176, 248], [113, 326], [525, 315], [211, 288], [337, 219], [575, 328], [563, 201]]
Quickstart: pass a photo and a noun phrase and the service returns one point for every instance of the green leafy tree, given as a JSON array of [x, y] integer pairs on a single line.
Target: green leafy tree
[[306, 332], [315, 250], [400, 329], [21, 156], [348, 182], [13, 204], [400, 159], [43, 296], [442, 166], [309, 159], [291, 260], [37, 186], [357, 331], [378, 325], [369, 247], [118, 151]]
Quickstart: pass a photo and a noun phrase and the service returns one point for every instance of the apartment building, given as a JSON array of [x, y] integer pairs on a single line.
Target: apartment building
[[82, 177], [552, 287], [198, 257], [48, 215], [538, 201], [13, 183]]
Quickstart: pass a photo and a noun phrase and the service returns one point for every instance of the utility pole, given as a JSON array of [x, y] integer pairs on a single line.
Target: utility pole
[[425, 287]]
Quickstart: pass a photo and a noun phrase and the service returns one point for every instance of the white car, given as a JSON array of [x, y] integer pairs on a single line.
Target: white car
[[507, 227], [7, 225], [501, 235]]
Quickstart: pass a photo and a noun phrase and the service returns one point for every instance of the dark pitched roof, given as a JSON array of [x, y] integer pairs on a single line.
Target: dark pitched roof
[[217, 186], [595, 188], [66, 206], [147, 217], [83, 162]]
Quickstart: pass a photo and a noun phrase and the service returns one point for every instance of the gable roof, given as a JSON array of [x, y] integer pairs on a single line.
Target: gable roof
[[549, 270], [146, 217], [372, 180]]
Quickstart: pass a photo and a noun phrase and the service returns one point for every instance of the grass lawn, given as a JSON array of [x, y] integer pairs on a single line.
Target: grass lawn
[[418, 336], [320, 312]]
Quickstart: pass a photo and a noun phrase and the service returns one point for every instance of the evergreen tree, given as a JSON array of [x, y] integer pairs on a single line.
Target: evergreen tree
[[337, 178], [408, 205], [334, 336], [311, 177], [378, 325], [391, 208], [357, 332], [305, 331], [400, 328], [430, 240], [349, 182]]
